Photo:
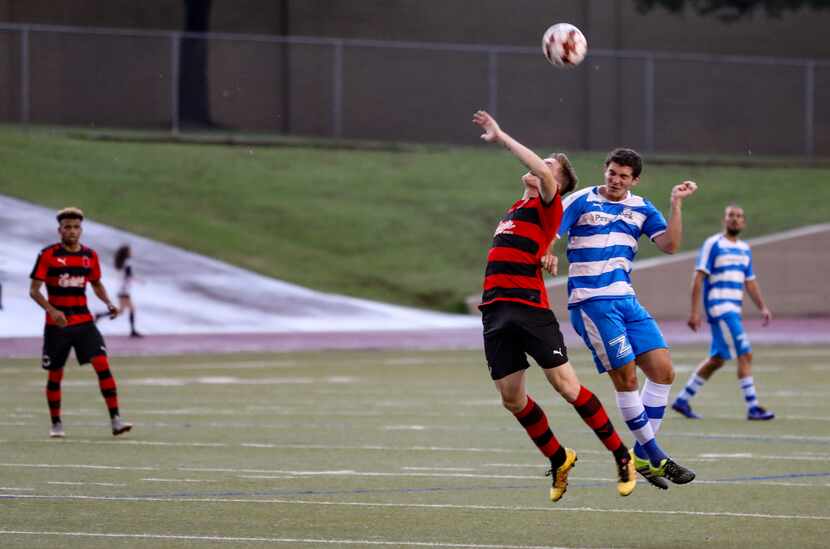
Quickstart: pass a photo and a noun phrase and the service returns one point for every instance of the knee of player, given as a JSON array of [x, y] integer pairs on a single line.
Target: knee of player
[[513, 403], [716, 362]]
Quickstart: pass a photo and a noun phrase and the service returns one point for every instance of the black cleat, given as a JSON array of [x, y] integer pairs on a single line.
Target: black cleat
[[674, 472]]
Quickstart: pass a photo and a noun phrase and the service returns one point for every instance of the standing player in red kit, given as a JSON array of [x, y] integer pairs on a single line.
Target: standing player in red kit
[[65, 268], [518, 320]]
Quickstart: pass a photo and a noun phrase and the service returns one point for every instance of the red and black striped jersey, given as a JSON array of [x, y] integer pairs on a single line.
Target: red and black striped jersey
[[514, 271], [66, 274]]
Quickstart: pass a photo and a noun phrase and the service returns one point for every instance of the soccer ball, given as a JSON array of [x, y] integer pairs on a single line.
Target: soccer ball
[[564, 45]]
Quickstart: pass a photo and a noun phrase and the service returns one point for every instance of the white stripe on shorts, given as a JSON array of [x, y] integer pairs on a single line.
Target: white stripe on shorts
[[727, 335], [596, 340]]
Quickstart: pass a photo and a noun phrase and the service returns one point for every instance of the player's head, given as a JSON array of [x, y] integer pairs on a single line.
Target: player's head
[[734, 220], [69, 225], [122, 254], [622, 171], [563, 172]]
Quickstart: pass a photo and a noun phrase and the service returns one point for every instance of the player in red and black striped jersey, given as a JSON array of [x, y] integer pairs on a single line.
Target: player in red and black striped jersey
[[66, 268], [518, 320]]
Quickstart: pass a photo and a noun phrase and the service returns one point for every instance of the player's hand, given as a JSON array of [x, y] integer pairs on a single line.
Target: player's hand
[[550, 263], [113, 310], [684, 190], [767, 316], [58, 317], [694, 321], [488, 124]]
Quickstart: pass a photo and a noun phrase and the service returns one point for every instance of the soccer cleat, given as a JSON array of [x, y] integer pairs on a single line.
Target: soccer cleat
[[674, 472], [56, 430], [683, 408], [560, 476], [756, 413], [119, 426], [643, 466], [626, 477]]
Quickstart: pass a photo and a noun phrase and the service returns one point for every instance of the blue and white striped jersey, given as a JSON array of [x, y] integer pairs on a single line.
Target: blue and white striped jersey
[[602, 242], [728, 265]]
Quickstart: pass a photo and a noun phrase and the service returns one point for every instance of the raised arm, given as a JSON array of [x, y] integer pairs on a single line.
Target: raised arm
[[669, 242], [754, 291], [494, 134]]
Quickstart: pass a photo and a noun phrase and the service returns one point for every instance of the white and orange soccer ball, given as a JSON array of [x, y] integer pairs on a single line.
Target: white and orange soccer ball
[[564, 45]]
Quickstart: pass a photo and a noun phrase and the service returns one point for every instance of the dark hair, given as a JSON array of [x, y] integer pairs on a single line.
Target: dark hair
[[567, 175], [626, 157], [70, 213], [121, 255]]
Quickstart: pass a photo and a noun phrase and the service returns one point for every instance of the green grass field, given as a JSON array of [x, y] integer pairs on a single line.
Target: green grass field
[[409, 227], [381, 449]]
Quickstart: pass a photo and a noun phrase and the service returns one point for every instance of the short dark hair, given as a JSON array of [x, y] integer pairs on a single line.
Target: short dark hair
[[568, 177], [626, 157], [121, 255], [70, 213]]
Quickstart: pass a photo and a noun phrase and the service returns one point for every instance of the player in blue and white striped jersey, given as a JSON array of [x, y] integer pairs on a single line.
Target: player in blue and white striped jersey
[[723, 270], [603, 225]]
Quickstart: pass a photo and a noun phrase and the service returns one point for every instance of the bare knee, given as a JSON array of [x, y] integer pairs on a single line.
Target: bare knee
[[710, 366], [513, 403]]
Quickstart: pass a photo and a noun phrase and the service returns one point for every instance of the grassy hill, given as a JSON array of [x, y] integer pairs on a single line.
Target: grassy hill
[[409, 227]]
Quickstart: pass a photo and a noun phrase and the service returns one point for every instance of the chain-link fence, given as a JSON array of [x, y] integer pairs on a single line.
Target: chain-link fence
[[423, 92]]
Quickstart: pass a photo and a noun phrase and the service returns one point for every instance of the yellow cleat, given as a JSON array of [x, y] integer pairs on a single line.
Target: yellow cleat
[[627, 477], [560, 476]]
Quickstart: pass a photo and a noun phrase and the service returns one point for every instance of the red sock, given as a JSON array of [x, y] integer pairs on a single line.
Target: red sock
[[593, 414], [106, 383], [53, 394], [535, 422]]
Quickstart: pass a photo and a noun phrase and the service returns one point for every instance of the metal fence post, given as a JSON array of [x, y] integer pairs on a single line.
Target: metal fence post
[[25, 78], [175, 45], [337, 91], [810, 108], [493, 82], [648, 105]]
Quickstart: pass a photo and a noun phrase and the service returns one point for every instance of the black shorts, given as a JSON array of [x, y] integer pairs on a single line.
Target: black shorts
[[57, 342], [513, 330]]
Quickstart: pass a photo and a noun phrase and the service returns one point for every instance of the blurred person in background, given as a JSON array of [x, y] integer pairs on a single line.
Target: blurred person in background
[[123, 255], [723, 270]]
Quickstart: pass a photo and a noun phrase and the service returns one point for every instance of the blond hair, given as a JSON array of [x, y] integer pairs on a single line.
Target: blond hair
[[70, 213]]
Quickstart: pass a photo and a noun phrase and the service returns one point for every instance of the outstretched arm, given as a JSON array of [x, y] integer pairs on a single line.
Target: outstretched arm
[[494, 134], [754, 291], [669, 241]]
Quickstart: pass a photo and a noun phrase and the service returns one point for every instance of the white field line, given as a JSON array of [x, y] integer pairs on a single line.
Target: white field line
[[15, 488], [72, 483], [178, 480], [548, 509], [185, 537], [445, 469], [78, 466]]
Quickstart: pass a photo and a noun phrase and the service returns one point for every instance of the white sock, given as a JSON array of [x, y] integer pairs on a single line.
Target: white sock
[[655, 397], [692, 387], [748, 388], [634, 414]]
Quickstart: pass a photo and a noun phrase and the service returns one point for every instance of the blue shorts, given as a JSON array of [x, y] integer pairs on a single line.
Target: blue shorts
[[728, 337], [616, 330]]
